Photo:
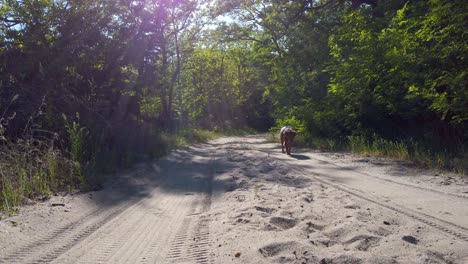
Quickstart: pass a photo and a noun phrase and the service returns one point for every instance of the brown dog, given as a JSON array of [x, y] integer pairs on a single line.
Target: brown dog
[[287, 135]]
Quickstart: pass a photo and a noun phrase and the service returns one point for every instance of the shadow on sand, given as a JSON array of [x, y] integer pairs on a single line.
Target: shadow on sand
[[300, 157]]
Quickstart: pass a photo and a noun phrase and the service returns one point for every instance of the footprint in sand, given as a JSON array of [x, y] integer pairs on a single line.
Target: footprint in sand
[[274, 249], [345, 258], [384, 260], [320, 240], [364, 216], [312, 227], [379, 231], [363, 242], [264, 209], [283, 222], [336, 232], [242, 220]]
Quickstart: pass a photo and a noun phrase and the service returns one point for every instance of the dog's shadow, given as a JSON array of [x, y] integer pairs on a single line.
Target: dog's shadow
[[300, 157]]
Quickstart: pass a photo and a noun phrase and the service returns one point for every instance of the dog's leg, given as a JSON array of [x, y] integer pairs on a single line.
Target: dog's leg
[[288, 146], [282, 142]]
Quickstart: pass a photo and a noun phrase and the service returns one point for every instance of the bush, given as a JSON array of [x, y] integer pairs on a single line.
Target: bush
[[289, 121]]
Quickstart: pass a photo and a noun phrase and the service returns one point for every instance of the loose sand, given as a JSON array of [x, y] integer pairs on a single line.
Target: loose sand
[[240, 200]]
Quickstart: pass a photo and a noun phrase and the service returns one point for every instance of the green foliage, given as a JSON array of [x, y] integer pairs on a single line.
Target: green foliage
[[422, 154], [77, 140], [138, 74], [220, 90], [377, 75], [298, 125], [378, 146], [196, 136], [398, 68]]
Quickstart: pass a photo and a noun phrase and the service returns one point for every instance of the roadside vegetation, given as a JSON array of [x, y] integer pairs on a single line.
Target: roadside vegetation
[[33, 168], [90, 87], [420, 154]]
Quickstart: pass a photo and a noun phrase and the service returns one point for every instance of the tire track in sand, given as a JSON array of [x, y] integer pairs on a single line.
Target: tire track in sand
[[373, 176], [143, 234], [447, 227], [50, 245], [192, 242], [444, 226], [140, 230]]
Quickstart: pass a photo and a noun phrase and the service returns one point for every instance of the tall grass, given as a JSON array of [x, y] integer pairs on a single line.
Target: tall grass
[[420, 153], [29, 168], [77, 135], [32, 167], [380, 147]]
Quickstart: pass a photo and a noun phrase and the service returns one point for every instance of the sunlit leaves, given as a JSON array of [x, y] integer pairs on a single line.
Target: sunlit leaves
[[401, 66]]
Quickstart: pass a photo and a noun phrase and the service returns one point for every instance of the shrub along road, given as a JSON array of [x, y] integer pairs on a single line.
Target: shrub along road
[[239, 199]]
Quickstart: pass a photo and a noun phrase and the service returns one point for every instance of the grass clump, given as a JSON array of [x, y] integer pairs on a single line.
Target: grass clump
[[194, 136], [379, 147], [29, 168], [420, 153], [31, 164], [198, 135]]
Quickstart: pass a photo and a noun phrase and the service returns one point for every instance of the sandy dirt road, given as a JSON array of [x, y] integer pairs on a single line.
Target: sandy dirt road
[[240, 200]]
